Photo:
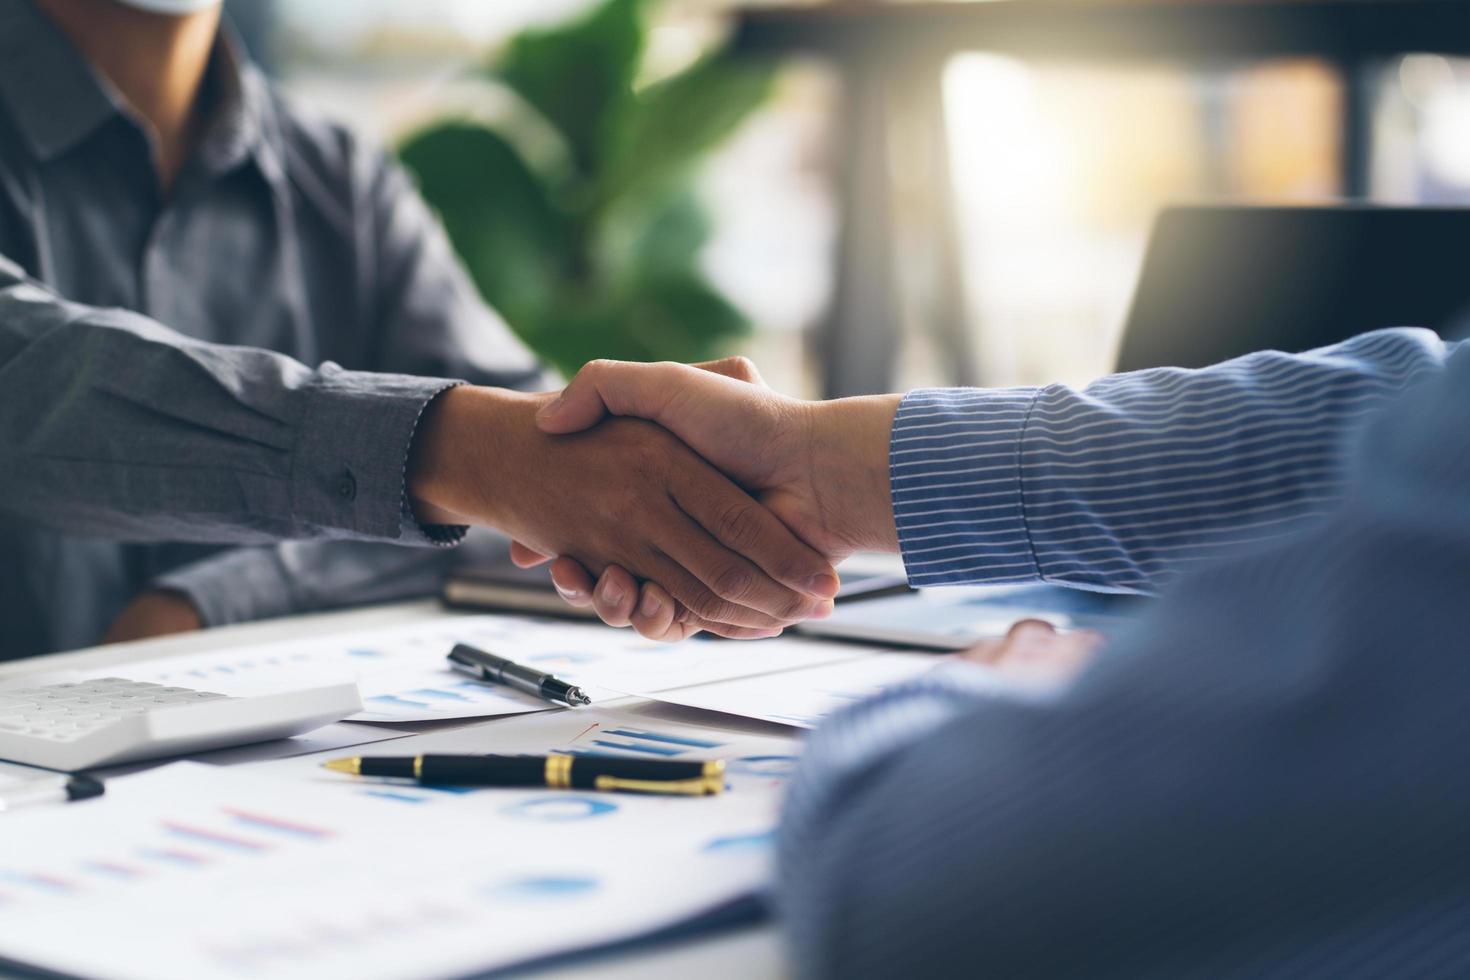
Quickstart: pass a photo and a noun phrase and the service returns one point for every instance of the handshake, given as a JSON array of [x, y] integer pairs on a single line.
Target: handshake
[[674, 498]]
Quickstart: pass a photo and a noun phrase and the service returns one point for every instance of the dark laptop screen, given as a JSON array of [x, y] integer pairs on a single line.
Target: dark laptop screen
[[1219, 282]]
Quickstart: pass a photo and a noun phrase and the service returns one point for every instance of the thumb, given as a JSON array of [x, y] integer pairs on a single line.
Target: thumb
[[737, 367], [607, 387]]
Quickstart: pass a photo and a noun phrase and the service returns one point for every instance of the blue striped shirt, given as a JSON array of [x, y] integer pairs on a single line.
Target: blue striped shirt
[[1119, 486], [1239, 787]]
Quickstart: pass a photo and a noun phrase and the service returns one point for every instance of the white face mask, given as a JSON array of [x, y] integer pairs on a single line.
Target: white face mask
[[173, 7]]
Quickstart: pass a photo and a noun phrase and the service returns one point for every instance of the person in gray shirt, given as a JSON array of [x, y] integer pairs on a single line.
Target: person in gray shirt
[[145, 166]]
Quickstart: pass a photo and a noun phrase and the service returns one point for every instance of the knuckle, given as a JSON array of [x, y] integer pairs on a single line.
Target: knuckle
[[739, 526], [597, 366], [711, 608], [792, 567], [741, 367], [619, 508], [793, 607], [646, 451], [734, 582]]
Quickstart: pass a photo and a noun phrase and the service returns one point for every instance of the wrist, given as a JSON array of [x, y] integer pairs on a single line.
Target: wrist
[[463, 432], [850, 441]]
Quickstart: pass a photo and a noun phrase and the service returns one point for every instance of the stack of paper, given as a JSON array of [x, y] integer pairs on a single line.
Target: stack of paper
[[405, 678], [802, 697], [195, 872]]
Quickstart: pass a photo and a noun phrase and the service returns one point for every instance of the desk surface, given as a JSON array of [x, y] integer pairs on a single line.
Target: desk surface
[[750, 953]]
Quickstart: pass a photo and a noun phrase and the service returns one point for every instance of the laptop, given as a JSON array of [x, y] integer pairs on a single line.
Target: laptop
[[1223, 281]]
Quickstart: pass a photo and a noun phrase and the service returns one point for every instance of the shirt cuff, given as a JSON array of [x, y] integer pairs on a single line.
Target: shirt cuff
[[236, 586], [954, 463], [349, 466]]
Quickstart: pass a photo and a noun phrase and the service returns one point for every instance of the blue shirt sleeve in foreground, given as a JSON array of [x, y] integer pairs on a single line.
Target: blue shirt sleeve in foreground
[[1265, 776]]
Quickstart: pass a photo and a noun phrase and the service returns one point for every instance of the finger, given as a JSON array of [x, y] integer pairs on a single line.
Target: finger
[[737, 367], [573, 582], [739, 632], [984, 652], [655, 616], [732, 590], [749, 529], [610, 387], [1030, 629], [697, 625], [692, 551], [670, 622], [524, 557], [616, 596]]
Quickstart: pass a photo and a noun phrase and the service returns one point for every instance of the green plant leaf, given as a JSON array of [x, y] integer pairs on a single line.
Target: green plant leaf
[[677, 121], [664, 238], [671, 238], [499, 217], [679, 318], [579, 75], [601, 261], [683, 318]]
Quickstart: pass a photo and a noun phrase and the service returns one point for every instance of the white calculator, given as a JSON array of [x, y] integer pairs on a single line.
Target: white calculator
[[108, 720]]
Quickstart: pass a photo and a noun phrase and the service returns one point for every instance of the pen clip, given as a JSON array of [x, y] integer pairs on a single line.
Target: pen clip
[[468, 660], [465, 667], [463, 656], [701, 786]]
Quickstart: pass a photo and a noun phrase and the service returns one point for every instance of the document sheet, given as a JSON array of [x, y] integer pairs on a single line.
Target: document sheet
[[802, 697], [284, 870], [404, 676]]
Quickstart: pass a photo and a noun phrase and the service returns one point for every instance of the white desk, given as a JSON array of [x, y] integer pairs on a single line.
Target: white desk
[[749, 953]]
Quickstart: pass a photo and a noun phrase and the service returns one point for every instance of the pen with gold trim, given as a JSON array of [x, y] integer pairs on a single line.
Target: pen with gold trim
[[555, 771]]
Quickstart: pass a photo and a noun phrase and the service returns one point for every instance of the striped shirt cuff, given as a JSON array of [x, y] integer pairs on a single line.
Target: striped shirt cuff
[[954, 463]]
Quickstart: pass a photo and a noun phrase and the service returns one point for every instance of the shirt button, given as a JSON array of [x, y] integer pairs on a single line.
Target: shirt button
[[347, 486]]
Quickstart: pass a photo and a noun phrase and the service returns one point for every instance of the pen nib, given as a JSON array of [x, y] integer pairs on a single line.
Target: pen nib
[[576, 698], [353, 767]]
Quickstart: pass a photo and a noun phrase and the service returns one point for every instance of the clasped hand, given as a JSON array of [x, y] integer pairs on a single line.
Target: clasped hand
[[628, 494], [821, 468]]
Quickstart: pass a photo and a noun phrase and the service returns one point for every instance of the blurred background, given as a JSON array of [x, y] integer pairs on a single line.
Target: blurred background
[[683, 178]]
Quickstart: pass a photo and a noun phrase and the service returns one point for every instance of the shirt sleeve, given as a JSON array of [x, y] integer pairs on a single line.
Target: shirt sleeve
[[428, 319], [1262, 777], [245, 584], [111, 424], [1121, 485]]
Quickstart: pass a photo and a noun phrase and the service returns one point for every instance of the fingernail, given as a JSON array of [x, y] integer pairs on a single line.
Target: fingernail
[[612, 593], [650, 606], [551, 408], [566, 593], [823, 610], [823, 586]]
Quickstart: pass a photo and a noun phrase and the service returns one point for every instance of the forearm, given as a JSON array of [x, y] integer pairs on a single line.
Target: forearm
[[111, 424], [1122, 484]]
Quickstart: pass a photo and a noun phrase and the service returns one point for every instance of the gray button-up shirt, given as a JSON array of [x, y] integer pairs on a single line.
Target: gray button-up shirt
[[130, 439]]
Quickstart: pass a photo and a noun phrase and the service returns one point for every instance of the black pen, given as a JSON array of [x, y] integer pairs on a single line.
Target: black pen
[[62, 789], [497, 670], [595, 772]]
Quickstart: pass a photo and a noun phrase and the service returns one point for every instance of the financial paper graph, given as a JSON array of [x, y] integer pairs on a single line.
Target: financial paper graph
[[404, 676], [162, 847]]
